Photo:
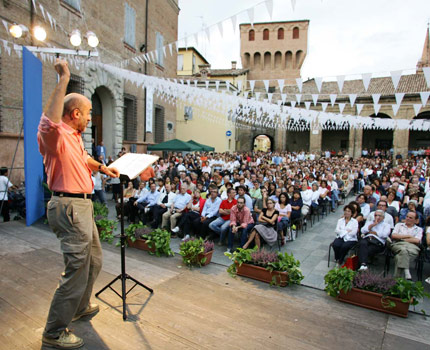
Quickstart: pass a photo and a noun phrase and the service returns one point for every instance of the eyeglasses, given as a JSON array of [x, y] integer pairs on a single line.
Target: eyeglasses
[[378, 215]]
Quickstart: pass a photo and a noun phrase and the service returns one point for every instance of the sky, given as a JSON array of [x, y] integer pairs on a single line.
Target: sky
[[346, 37]]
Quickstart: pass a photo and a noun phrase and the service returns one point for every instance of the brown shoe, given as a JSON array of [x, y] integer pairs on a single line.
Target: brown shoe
[[66, 340], [92, 309]]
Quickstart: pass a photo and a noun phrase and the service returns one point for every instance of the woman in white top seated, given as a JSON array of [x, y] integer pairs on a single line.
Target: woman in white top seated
[[346, 234]]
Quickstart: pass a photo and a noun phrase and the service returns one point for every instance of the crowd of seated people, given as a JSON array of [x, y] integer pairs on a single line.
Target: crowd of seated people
[[195, 195]]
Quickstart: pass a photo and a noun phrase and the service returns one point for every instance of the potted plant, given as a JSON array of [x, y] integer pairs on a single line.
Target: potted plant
[[135, 234], [270, 267], [196, 251], [100, 209], [374, 291], [106, 228], [159, 240]]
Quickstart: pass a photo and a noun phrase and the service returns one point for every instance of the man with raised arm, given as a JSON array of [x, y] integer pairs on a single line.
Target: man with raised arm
[[70, 210]]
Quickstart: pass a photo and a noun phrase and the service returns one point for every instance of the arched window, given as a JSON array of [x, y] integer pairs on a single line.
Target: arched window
[[278, 60], [266, 34], [295, 32], [267, 61], [251, 35], [247, 58], [299, 59], [257, 60], [280, 33], [289, 60]]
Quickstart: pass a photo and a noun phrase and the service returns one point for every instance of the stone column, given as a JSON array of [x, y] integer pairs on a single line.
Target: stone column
[[356, 142], [401, 142], [315, 139]]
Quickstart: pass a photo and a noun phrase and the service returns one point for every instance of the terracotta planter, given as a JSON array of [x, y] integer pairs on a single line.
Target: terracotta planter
[[208, 256], [140, 244], [261, 274], [371, 300]]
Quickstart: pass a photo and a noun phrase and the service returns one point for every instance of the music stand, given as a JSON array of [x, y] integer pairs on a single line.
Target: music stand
[[123, 276]]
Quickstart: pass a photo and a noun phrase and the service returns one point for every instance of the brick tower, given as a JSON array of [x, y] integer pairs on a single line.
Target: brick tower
[[274, 50]]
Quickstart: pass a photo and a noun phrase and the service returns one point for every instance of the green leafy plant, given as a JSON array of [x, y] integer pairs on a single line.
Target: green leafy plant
[[344, 279], [100, 209], [160, 239], [130, 231], [106, 228], [271, 261], [338, 279], [192, 248]]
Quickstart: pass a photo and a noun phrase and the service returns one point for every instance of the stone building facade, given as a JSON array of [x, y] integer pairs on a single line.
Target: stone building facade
[[125, 29]]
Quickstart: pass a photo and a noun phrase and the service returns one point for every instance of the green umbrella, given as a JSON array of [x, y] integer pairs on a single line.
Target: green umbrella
[[204, 147], [175, 145]]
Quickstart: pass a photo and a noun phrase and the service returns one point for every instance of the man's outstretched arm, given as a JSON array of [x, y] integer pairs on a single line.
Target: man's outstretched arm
[[54, 107]]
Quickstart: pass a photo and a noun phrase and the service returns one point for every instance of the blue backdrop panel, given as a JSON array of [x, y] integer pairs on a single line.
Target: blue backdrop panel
[[33, 163]]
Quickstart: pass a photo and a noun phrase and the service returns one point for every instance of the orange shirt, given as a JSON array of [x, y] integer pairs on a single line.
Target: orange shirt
[[147, 174], [64, 157]]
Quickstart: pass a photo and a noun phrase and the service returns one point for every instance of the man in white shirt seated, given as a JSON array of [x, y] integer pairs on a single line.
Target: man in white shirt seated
[[406, 238], [164, 202], [382, 205], [375, 235], [178, 206]]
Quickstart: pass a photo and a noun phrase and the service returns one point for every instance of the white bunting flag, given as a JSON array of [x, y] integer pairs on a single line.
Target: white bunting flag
[[269, 6], [395, 77], [251, 16], [340, 80], [315, 99], [333, 99], [307, 104], [269, 97], [227, 83], [208, 33], [281, 85], [252, 85], [426, 71], [395, 108], [324, 106], [233, 22], [352, 98], [293, 4], [170, 49], [207, 84], [34, 6], [341, 107], [376, 108], [424, 97], [299, 82], [417, 107], [239, 85], [257, 95], [283, 97], [43, 11], [6, 26], [399, 97], [375, 98], [318, 82], [293, 104], [49, 19], [359, 108], [298, 98], [220, 28], [366, 80], [266, 85]]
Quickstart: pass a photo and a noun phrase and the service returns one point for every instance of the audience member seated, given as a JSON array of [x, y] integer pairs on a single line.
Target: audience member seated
[[133, 210], [189, 220], [375, 234], [179, 206], [364, 207], [346, 235], [266, 227], [128, 194], [241, 223], [406, 237], [284, 210], [146, 203], [209, 212], [164, 202], [221, 224], [241, 193], [382, 205], [296, 206]]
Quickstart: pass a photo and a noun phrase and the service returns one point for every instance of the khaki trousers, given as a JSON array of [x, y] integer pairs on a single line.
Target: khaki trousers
[[168, 217], [404, 252], [72, 220]]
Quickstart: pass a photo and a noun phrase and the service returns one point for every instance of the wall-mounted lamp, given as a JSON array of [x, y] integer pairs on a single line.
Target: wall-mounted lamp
[[142, 48], [39, 33], [76, 38], [18, 31]]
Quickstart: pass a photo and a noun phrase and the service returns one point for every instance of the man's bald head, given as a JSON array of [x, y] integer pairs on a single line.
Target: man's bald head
[[73, 101]]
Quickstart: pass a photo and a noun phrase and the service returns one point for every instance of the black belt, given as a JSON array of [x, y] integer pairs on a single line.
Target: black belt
[[73, 195]]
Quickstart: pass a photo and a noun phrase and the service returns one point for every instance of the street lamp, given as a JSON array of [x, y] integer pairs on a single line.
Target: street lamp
[[18, 30]]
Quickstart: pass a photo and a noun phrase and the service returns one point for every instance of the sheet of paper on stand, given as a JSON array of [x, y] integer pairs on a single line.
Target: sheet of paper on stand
[[132, 164]]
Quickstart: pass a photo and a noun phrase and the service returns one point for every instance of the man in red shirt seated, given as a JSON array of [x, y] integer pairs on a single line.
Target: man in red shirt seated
[[241, 221], [221, 224]]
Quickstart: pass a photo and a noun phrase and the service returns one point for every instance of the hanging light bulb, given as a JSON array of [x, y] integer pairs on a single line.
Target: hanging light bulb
[[16, 31], [75, 38], [93, 41], [39, 33]]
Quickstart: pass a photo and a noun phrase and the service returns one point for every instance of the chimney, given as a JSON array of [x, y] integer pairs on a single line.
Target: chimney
[[233, 65]]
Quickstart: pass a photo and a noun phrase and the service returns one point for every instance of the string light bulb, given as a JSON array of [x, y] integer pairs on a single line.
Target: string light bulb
[[75, 38], [93, 41], [39, 33]]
